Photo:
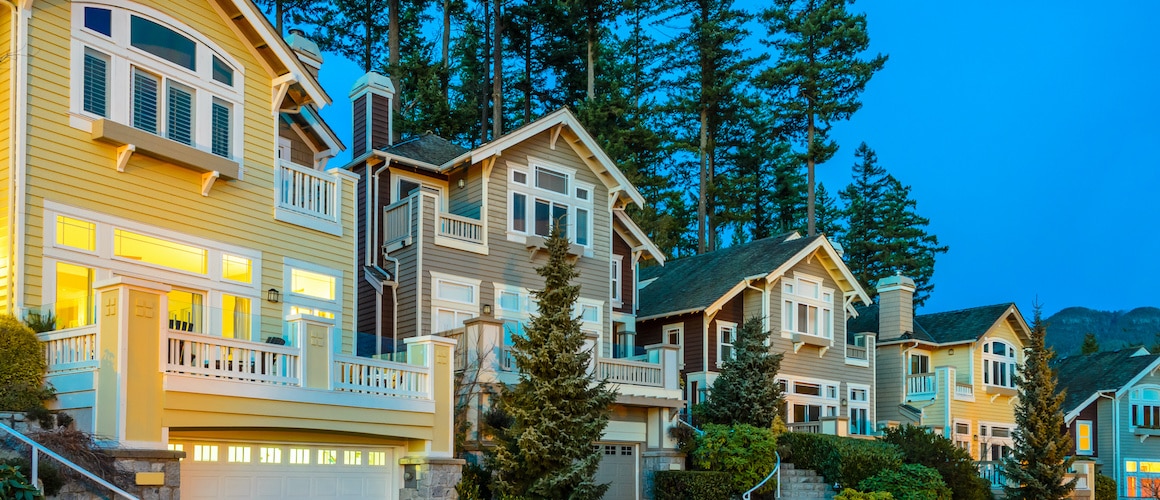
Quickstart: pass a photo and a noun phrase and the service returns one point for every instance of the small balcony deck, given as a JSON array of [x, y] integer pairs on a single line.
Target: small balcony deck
[[412, 219], [308, 197]]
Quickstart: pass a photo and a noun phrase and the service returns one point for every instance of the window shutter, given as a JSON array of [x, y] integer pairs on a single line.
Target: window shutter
[[179, 125], [221, 129], [145, 106], [96, 84]]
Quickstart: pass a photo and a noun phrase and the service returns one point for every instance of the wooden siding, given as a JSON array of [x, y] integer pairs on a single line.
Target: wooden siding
[[627, 274], [466, 201], [982, 408], [66, 166], [1130, 446], [890, 387], [1088, 413], [300, 151], [5, 160], [380, 125], [359, 126], [650, 332], [1106, 433]]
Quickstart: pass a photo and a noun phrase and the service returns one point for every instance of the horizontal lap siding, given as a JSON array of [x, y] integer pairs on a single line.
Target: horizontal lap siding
[[65, 165], [619, 247], [359, 114], [732, 312], [468, 200], [5, 156], [1130, 446], [651, 332], [890, 390], [300, 152]]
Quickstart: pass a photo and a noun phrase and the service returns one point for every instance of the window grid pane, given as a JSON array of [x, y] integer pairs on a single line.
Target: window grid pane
[[145, 101], [311, 284], [551, 180], [99, 20], [222, 71], [76, 233], [519, 212], [581, 227], [179, 115], [163, 42]]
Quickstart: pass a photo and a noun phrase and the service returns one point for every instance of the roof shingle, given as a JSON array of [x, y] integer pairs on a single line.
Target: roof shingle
[[1082, 376], [427, 148]]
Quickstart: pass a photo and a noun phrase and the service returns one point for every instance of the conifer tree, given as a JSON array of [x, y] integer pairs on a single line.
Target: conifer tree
[[356, 30], [818, 75], [827, 213], [557, 410], [747, 390], [1090, 344], [863, 198], [1039, 461]]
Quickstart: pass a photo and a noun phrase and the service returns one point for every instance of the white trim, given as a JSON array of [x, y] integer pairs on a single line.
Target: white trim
[[794, 283], [822, 400], [396, 175], [454, 306], [617, 265], [723, 325], [1090, 450]]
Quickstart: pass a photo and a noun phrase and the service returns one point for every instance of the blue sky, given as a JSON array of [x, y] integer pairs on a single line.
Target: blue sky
[[1028, 131]]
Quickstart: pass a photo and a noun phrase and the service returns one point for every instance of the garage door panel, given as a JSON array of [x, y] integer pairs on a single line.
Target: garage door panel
[[618, 468]]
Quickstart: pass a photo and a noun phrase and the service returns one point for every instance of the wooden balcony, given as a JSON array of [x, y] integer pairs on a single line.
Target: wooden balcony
[[308, 198], [421, 216]]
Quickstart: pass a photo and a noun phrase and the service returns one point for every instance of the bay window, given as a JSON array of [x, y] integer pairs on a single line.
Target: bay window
[[808, 307], [551, 197], [1145, 403]]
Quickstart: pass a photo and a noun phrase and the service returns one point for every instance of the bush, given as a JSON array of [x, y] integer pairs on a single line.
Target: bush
[[50, 476], [475, 483], [921, 446], [15, 486], [846, 461], [22, 367], [853, 494], [908, 482], [1105, 488], [746, 452], [691, 485]]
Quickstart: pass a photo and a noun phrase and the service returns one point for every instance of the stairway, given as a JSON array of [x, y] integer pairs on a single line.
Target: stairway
[[804, 484]]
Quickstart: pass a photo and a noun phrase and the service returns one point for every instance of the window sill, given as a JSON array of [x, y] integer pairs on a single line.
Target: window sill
[[163, 149], [999, 390]]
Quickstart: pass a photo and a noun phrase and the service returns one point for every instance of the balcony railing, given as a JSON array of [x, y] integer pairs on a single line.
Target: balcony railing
[[992, 472], [964, 390], [209, 356], [397, 222], [70, 350], [386, 378], [307, 197], [808, 427], [447, 229], [922, 384], [461, 228], [855, 352], [623, 371]]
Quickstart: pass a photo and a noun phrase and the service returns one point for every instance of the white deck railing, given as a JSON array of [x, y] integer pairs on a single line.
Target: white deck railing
[[622, 371], [807, 427], [964, 390], [205, 355], [855, 352], [920, 384], [461, 228], [387, 378], [397, 221], [71, 350], [306, 191]]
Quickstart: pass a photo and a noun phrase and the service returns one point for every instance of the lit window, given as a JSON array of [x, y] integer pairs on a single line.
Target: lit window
[[76, 233], [377, 458], [268, 455], [239, 454], [352, 457], [236, 317], [808, 308], [186, 311], [1083, 437], [327, 457], [311, 311], [236, 268], [319, 286], [299, 456], [74, 296], [999, 364], [160, 252], [205, 453]]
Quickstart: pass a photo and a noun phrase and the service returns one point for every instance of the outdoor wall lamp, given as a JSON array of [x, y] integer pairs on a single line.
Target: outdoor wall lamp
[[460, 183], [273, 295], [486, 307]]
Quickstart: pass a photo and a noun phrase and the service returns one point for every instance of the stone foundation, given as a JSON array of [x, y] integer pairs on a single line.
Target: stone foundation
[[430, 478], [151, 467], [655, 460]]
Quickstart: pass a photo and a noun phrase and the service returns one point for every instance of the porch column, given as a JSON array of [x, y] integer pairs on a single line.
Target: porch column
[[437, 353], [131, 347], [312, 334], [666, 356]]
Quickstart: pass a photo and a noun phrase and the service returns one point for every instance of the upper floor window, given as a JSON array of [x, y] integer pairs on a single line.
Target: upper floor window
[[142, 68], [454, 300], [808, 307], [1083, 437], [919, 364], [617, 261], [726, 336], [553, 197], [999, 364], [1145, 407]]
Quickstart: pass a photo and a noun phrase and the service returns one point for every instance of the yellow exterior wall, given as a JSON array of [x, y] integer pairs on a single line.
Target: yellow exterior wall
[[65, 165], [6, 127]]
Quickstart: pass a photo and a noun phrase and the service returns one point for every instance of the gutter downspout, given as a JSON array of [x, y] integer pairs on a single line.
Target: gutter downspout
[[17, 146]]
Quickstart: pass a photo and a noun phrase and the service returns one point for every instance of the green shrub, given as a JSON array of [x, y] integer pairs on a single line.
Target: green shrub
[[15, 486], [22, 367], [908, 482], [921, 446], [846, 461], [853, 494], [691, 485], [746, 452], [50, 476], [1105, 488], [475, 483], [40, 322]]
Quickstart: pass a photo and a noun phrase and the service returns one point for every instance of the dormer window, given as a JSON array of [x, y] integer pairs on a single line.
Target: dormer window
[[141, 68], [554, 198]]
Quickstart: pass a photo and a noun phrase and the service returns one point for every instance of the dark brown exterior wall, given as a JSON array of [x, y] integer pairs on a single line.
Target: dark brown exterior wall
[[1088, 413], [359, 113], [619, 247], [649, 332], [380, 124], [732, 312]]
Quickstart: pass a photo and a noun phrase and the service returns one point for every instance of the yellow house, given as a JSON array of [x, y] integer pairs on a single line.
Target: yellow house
[[950, 371], [169, 203]]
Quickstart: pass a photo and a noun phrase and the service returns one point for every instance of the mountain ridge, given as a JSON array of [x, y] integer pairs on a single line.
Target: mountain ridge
[[1113, 329]]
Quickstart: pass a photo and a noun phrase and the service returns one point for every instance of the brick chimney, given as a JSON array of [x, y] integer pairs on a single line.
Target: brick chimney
[[372, 97], [306, 50], [895, 307]]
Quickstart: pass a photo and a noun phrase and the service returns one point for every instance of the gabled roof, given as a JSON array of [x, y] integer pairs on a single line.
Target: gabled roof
[[950, 327], [636, 236], [1086, 377], [701, 282], [427, 148], [867, 322]]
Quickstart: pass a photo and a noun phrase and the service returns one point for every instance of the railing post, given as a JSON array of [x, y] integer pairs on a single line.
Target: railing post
[[436, 353], [131, 347], [312, 334], [590, 340], [666, 355]]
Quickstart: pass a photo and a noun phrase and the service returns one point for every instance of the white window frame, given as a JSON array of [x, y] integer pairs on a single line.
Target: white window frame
[[423, 182], [921, 353], [852, 404], [793, 300], [828, 406], [1136, 398], [617, 265], [722, 326], [679, 328], [532, 193], [1090, 450], [987, 437], [122, 57], [1010, 362], [290, 299], [453, 306]]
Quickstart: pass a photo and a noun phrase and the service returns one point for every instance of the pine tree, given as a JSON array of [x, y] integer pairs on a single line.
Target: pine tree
[[1090, 344], [747, 391], [557, 410], [286, 13], [355, 29], [863, 198], [819, 73], [828, 213], [1039, 461]]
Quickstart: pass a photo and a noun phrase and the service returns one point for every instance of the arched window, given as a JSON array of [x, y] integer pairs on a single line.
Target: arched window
[[139, 67], [1145, 403], [999, 363]]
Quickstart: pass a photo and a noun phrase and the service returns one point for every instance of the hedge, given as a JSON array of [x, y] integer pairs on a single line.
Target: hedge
[[746, 452], [842, 460], [691, 485], [22, 367], [908, 482]]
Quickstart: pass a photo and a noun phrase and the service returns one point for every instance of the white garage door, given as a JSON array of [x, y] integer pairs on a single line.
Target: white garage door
[[618, 467], [264, 470]]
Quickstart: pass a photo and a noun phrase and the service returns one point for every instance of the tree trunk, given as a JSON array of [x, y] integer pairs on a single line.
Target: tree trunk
[[810, 174], [591, 53], [279, 13], [445, 77], [528, 76], [367, 41], [393, 48], [484, 96], [497, 78], [701, 195]]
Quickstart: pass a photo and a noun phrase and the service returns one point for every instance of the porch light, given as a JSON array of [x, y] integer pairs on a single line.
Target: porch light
[[487, 309], [273, 295], [460, 183]]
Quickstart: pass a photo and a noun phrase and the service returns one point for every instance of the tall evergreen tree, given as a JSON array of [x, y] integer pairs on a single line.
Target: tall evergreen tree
[[287, 13], [1040, 459], [828, 214], [1090, 344], [557, 410], [863, 199], [819, 73], [355, 29], [747, 391]]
